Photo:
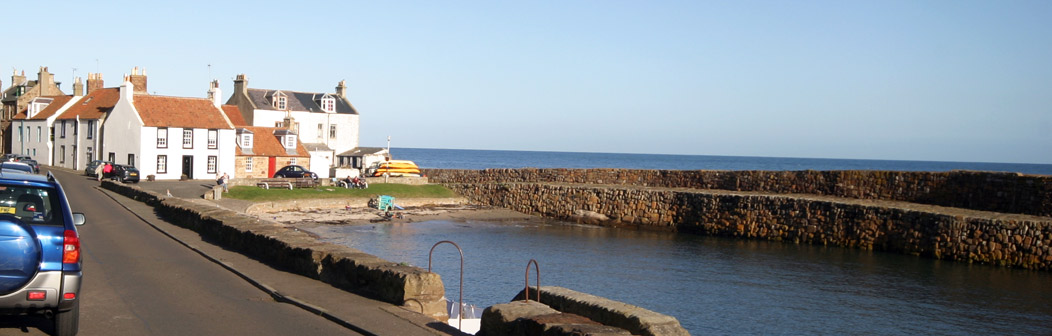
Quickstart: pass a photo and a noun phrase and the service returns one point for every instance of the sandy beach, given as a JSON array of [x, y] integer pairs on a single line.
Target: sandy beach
[[365, 215]]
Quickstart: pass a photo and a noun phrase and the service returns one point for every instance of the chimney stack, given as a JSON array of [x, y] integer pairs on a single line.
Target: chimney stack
[[215, 94], [17, 79], [138, 80], [341, 89], [94, 82], [78, 87], [46, 80], [241, 84]]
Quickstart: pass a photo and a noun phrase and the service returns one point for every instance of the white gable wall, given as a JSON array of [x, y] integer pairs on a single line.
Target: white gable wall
[[123, 130], [175, 153]]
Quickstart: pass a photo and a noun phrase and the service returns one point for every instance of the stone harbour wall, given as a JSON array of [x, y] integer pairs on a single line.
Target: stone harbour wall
[[341, 266], [989, 191], [953, 234]]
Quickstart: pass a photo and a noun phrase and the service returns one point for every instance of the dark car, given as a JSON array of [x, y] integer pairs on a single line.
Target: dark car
[[124, 173], [32, 163], [40, 249], [295, 171], [90, 169]]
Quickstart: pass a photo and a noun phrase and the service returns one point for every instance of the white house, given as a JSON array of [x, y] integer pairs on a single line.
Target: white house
[[77, 131], [169, 137], [32, 128], [326, 123]]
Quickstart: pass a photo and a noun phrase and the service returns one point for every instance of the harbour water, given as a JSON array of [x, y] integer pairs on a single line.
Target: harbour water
[[716, 285]]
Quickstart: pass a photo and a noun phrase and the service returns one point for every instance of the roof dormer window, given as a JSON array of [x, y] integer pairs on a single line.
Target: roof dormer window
[[290, 141], [328, 104], [280, 100]]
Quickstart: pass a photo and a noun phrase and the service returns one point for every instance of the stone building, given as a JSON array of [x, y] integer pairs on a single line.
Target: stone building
[[16, 98]]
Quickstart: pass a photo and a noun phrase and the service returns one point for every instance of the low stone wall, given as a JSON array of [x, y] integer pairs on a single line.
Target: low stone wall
[[637, 320], [953, 234], [293, 250], [990, 191]]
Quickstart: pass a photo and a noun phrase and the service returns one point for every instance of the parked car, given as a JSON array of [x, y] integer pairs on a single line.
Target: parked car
[[17, 167], [124, 173], [295, 171], [90, 169], [32, 163], [44, 275]]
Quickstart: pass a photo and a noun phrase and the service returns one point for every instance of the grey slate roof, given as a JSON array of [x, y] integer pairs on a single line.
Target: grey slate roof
[[360, 151], [298, 101], [316, 147]]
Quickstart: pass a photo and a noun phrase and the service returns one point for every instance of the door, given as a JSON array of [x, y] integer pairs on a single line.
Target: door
[[188, 166], [272, 166]]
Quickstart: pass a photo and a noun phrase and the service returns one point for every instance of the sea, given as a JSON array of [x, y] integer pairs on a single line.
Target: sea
[[483, 159], [713, 285]]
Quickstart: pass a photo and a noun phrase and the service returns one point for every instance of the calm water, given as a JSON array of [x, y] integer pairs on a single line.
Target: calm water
[[716, 285], [723, 286], [481, 159]]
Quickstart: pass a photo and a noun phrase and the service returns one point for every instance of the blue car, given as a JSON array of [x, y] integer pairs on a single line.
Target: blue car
[[40, 262]]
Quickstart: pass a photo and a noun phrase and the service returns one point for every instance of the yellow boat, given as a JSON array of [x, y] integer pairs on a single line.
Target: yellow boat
[[396, 168]]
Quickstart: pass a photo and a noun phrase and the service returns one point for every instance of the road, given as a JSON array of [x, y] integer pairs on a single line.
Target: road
[[138, 281]]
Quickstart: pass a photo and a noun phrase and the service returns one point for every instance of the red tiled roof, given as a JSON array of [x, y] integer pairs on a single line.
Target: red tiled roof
[[234, 114], [56, 103], [93, 106], [161, 111], [265, 143]]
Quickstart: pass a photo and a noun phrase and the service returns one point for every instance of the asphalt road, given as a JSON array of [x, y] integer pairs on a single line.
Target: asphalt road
[[140, 282]]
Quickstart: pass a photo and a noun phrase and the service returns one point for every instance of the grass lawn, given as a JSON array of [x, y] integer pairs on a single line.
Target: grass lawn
[[251, 193]]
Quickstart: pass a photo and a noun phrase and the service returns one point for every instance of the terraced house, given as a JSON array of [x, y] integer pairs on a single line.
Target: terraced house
[[326, 123], [18, 97], [77, 131], [169, 137]]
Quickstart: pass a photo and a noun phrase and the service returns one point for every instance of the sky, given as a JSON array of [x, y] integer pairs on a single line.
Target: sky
[[930, 80]]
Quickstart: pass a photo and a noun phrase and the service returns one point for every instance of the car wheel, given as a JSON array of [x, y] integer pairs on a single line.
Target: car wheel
[[67, 322]]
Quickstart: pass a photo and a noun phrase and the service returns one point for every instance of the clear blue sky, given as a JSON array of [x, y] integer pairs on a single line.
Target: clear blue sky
[[910, 80]]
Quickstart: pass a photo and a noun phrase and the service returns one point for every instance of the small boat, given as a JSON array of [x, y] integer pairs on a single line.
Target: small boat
[[396, 168]]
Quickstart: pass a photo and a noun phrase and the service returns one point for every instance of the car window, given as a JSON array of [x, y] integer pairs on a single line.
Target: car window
[[32, 205]]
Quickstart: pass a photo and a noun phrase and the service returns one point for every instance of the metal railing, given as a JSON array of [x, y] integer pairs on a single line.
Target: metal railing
[[536, 267], [460, 299]]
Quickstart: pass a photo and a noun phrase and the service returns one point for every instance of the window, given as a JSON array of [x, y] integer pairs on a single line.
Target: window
[[112, 157], [62, 154], [290, 141], [91, 129], [63, 130], [320, 129], [162, 164], [280, 101], [332, 132], [212, 164], [39, 133], [328, 104], [246, 140], [76, 128], [248, 164], [162, 138], [35, 151], [131, 160], [188, 138], [20, 134], [213, 139], [292, 161]]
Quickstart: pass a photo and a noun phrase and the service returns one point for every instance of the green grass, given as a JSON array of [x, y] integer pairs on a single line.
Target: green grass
[[250, 193]]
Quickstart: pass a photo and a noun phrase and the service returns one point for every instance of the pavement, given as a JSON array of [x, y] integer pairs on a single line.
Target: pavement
[[359, 314]]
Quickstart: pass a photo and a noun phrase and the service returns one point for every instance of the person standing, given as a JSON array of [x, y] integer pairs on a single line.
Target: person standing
[[107, 170], [98, 173]]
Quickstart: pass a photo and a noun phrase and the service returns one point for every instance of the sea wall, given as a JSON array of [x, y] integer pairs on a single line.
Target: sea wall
[[953, 234], [341, 266], [990, 191]]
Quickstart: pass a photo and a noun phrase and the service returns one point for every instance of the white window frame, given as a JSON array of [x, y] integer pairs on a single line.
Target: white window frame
[[188, 138], [213, 139], [63, 129], [248, 164], [162, 164], [213, 162], [292, 161], [290, 141], [162, 137], [280, 100], [40, 134], [246, 140], [332, 131], [91, 129], [328, 104], [321, 129]]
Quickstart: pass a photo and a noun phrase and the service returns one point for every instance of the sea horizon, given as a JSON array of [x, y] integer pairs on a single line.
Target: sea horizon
[[448, 158]]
